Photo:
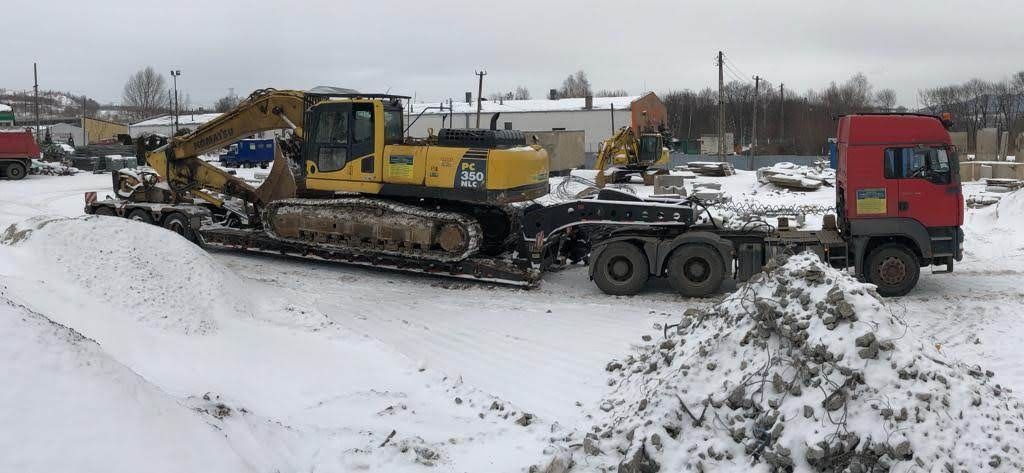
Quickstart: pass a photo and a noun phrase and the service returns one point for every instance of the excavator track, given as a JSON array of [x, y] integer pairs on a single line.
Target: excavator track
[[374, 227]]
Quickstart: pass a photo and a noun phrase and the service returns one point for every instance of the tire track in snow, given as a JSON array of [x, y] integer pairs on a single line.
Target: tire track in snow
[[500, 340]]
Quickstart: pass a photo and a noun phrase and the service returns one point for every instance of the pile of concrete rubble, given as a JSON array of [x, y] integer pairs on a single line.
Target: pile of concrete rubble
[[801, 369], [994, 191], [43, 168], [791, 176]]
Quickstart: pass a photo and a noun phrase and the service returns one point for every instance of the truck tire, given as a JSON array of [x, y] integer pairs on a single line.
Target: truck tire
[[105, 210], [893, 268], [16, 171], [621, 269], [140, 215], [695, 270], [178, 223]]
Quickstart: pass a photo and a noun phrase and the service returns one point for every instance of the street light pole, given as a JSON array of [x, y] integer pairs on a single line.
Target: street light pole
[[174, 74]]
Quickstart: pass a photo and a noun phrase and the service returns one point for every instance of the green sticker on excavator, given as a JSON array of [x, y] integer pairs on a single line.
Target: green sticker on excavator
[[871, 201], [400, 166]]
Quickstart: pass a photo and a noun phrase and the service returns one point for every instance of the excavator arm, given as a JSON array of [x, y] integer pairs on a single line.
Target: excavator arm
[[267, 109], [623, 143]]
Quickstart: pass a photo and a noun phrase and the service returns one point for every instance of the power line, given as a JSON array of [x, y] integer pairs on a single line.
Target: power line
[[734, 65]]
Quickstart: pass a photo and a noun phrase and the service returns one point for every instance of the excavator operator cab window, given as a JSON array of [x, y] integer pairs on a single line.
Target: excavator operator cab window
[[650, 147], [332, 134], [393, 129]]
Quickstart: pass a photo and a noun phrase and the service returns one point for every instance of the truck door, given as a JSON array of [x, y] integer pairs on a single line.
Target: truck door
[[929, 187]]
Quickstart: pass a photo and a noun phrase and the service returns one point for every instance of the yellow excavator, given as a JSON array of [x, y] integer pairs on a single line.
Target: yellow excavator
[[629, 153], [347, 178]]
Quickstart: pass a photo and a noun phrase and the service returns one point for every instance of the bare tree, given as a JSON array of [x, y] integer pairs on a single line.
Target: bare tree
[[520, 93], [575, 86], [885, 99], [145, 93], [611, 93], [226, 103], [1009, 98]]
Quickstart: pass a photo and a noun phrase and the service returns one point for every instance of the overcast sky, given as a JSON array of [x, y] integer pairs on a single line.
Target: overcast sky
[[431, 48]]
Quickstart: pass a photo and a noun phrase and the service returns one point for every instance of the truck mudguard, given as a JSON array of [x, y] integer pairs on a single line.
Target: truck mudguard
[[862, 230]]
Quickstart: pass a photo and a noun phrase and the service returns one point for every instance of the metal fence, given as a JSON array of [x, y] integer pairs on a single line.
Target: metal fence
[[739, 162]]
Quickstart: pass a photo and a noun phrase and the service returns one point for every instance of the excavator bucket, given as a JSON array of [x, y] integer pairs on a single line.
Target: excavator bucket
[[280, 184]]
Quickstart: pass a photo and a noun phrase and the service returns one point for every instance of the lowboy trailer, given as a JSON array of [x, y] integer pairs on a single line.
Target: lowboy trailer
[[898, 200]]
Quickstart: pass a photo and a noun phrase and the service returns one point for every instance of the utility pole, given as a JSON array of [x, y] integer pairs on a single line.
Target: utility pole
[[479, 94], [721, 110], [782, 106], [174, 74], [753, 122], [613, 118], [35, 87], [85, 132]]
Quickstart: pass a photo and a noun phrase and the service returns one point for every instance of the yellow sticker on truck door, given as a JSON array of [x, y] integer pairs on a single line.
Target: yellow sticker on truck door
[[871, 201]]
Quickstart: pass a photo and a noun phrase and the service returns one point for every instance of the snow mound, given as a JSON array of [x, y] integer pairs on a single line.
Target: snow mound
[[992, 232], [138, 270], [63, 392], [803, 368]]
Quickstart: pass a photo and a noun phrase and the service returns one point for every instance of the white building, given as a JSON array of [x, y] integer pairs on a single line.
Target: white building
[[598, 121], [64, 133], [164, 125]]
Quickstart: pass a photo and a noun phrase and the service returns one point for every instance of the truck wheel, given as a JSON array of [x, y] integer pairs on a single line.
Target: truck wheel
[[15, 171], [695, 270], [179, 223], [893, 268], [140, 215], [621, 269], [104, 210]]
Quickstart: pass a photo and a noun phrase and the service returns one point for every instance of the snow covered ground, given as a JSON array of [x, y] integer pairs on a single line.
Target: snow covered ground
[[129, 349]]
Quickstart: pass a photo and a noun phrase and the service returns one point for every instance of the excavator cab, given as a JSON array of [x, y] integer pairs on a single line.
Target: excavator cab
[[649, 149], [344, 132]]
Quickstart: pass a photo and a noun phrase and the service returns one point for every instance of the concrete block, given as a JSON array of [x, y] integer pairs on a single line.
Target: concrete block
[[1004, 145], [669, 184], [986, 172], [987, 144]]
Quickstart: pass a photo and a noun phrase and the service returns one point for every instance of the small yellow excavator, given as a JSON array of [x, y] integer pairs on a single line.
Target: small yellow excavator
[[348, 179], [630, 155]]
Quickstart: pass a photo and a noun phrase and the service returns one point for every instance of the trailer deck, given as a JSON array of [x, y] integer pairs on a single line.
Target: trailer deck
[[483, 269]]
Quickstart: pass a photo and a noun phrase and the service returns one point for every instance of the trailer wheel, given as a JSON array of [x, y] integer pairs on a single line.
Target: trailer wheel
[[695, 270], [621, 269], [104, 210], [140, 215], [893, 268], [178, 223], [15, 171]]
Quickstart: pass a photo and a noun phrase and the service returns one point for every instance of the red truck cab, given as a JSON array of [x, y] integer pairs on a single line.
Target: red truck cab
[[17, 150], [898, 196]]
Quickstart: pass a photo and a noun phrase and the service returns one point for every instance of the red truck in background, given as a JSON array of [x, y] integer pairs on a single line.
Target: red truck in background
[[17, 150]]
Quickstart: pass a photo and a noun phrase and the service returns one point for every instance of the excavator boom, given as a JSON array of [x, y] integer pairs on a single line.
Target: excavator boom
[[266, 109]]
